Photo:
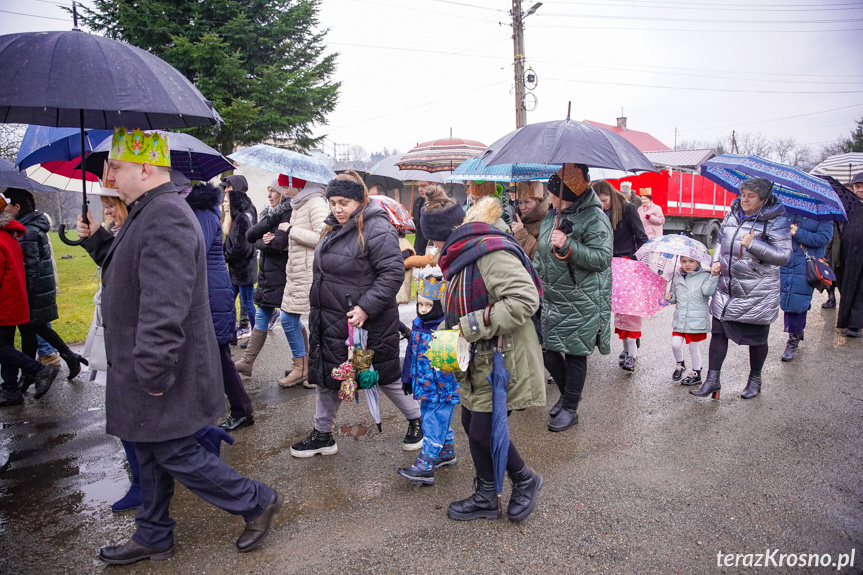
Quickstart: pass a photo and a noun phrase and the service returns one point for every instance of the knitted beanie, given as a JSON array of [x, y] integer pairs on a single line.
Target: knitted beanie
[[346, 188], [440, 214], [290, 182]]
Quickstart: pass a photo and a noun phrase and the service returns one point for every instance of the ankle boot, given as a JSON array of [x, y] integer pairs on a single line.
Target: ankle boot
[[299, 373], [831, 299], [256, 343], [753, 385], [73, 362], [557, 407], [791, 346], [482, 504], [711, 386], [693, 378], [525, 487]]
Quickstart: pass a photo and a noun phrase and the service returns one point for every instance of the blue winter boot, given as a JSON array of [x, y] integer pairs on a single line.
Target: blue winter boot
[[422, 471], [132, 499], [211, 438], [446, 457]]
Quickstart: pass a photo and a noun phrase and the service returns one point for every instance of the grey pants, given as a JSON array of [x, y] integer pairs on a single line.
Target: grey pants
[[327, 404]]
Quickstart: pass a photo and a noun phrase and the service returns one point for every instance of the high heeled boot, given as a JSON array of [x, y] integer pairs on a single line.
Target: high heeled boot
[[73, 362], [711, 386], [753, 385]]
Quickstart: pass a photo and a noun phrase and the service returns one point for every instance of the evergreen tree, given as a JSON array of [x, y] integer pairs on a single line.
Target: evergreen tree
[[855, 142], [262, 63]]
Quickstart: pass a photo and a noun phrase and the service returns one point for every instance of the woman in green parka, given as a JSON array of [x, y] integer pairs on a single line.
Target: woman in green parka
[[573, 260]]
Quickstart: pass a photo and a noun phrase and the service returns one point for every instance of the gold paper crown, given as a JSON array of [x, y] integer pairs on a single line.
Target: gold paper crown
[[140, 147], [432, 284]]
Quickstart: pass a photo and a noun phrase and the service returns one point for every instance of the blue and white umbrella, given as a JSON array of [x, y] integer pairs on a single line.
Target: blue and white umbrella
[[475, 169], [285, 162], [800, 193]]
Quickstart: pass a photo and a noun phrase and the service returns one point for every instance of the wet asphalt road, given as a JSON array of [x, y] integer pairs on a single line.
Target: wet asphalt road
[[652, 480]]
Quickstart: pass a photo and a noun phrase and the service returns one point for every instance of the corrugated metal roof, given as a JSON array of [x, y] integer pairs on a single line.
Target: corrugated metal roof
[[680, 158], [641, 140]]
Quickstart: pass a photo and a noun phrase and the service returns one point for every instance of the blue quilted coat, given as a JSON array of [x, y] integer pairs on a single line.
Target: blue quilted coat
[[795, 291], [429, 384]]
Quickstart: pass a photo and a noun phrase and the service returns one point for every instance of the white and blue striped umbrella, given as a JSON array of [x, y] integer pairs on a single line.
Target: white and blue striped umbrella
[[475, 169], [285, 162]]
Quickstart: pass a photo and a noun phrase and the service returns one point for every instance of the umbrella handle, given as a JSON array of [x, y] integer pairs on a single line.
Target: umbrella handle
[[562, 256], [62, 232]]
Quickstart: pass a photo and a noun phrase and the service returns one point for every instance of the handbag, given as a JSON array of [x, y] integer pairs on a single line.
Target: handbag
[[819, 274], [98, 357]]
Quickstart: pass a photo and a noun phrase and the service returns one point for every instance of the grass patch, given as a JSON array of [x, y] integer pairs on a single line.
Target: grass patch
[[78, 283]]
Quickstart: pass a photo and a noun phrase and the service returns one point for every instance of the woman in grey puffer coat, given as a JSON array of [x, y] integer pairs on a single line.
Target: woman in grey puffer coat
[[754, 242]]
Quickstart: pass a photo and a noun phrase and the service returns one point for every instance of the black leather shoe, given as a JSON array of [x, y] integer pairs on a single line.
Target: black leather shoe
[[753, 386], [130, 551], [830, 303], [556, 408], [563, 420], [232, 424], [852, 332], [525, 487], [256, 529], [481, 505], [44, 379]]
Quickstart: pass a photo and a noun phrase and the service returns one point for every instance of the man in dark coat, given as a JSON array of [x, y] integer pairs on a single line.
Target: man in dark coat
[[850, 316], [163, 363], [41, 285]]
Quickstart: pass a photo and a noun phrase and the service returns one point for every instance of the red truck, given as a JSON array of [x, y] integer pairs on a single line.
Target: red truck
[[692, 204]]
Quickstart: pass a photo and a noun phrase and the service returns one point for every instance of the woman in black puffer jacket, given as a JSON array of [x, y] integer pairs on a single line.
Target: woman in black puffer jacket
[[240, 255], [271, 242], [358, 258]]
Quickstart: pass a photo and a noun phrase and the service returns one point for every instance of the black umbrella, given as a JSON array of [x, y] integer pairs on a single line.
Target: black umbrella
[[75, 79]]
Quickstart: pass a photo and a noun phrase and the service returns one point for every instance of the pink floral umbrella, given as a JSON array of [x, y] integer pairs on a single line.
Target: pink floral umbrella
[[635, 288]]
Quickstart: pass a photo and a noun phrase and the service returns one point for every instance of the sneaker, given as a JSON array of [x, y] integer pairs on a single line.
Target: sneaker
[[446, 457], [678, 371], [244, 333], [422, 471], [628, 363], [51, 359], [315, 443], [414, 437], [694, 378]]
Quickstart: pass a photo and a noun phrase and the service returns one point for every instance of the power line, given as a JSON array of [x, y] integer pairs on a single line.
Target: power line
[[701, 20], [731, 90], [772, 120], [698, 30], [469, 5], [34, 15], [717, 7]]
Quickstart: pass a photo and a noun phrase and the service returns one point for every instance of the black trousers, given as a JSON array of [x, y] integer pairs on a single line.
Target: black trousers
[[241, 405], [29, 343], [204, 474], [477, 426], [13, 360], [569, 373]]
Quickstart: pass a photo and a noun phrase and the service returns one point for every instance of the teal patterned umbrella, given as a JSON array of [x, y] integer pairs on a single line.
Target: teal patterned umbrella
[[285, 162], [475, 169]]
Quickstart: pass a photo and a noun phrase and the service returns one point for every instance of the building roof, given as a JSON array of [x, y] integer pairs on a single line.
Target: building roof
[[691, 159], [641, 140]]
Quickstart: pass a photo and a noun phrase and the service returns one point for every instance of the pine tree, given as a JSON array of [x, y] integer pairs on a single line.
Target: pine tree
[[262, 63]]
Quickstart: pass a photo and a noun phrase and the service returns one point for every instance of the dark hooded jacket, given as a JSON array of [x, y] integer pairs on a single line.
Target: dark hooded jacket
[[273, 256], [38, 269], [205, 201], [372, 277], [239, 253]]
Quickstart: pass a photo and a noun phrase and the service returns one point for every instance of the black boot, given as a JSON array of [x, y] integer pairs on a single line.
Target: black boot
[[679, 370], [557, 407], [693, 378], [44, 379], [791, 346], [564, 419], [831, 299], [73, 362], [753, 386], [525, 487], [482, 504], [711, 386]]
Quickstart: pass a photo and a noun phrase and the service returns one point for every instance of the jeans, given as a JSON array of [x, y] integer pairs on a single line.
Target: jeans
[[247, 299], [290, 323], [437, 426]]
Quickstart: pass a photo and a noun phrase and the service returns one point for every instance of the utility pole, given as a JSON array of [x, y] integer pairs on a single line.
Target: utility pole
[[518, 58]]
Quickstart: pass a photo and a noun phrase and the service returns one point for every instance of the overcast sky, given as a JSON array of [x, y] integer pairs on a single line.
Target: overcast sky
[[411, 70]]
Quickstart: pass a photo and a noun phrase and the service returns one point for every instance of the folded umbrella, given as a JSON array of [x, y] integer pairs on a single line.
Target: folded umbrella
[[801, 193], [499, 381], [292, 164]]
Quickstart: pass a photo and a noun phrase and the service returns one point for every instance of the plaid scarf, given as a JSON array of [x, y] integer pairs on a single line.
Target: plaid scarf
[[466, 291]]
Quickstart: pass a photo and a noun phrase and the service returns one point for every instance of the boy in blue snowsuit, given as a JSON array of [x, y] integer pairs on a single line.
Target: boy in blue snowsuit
[[437, 391]]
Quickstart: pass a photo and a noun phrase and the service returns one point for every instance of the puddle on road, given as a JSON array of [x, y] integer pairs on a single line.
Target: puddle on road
[[355, 431], [104, 492]]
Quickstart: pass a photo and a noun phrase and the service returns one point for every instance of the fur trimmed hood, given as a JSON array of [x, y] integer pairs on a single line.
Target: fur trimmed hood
[[204, 196], [240, 202]]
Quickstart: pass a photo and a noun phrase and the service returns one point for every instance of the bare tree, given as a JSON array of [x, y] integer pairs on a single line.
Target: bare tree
[[783, 148], [802, 157], [838, 146], [357, 153], [10, 140]]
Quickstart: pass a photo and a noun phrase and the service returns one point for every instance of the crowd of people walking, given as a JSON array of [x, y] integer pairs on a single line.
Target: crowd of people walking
[[526, 286]]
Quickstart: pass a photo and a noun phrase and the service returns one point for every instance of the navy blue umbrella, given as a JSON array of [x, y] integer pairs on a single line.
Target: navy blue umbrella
[[46, 144], [12, 178], [499, 380], [567, 142], [189, 156], [75, 79]]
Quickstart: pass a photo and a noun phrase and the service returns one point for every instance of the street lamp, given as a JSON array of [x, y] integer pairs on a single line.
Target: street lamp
[[533, 9]]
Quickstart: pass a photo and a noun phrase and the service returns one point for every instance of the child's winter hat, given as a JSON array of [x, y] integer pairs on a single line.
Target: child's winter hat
[[432, 283]]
